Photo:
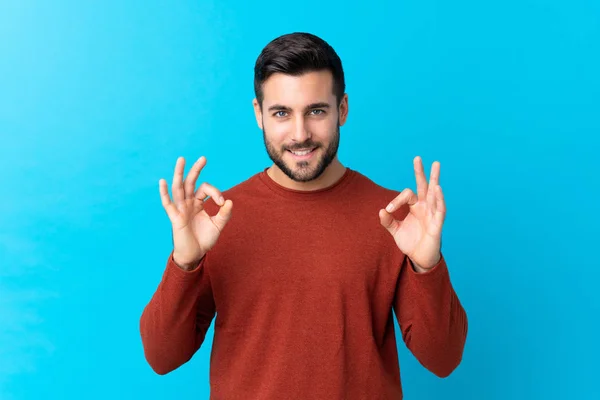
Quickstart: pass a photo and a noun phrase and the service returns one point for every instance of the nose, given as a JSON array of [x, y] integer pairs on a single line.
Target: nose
[[301, 132]]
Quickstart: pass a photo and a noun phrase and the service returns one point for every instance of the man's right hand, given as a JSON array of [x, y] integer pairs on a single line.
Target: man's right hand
[[194, 231]]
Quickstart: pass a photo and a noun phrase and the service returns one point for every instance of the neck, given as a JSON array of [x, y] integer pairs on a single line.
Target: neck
[[331, 175]]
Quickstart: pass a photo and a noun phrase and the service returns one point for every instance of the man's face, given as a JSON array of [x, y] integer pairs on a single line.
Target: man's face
[[300, 121]]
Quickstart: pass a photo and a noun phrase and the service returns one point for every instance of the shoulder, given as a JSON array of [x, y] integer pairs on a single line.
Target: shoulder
[[373, 189], [237, 192]]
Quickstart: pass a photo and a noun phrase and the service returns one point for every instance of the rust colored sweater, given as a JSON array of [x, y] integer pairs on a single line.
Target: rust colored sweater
[[304, 287]]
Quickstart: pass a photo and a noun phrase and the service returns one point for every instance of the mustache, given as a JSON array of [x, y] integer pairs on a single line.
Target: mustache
[[305, 145]]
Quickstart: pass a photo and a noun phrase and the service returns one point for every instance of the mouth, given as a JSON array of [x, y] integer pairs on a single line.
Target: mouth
[[303, 154]]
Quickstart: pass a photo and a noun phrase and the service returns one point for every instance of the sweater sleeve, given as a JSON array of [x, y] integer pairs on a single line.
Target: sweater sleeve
[[174, 323], [432, 320]]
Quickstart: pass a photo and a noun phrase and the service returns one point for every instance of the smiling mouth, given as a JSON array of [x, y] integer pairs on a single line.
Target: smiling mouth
[[303, 152]]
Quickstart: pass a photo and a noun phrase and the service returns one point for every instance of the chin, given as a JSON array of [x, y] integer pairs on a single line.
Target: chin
[[303, 171], [304, 174]]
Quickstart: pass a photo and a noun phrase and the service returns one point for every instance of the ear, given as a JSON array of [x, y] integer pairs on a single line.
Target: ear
[[343, 109], [257, 113]]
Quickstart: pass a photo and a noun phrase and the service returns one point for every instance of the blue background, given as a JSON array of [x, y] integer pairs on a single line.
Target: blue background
[[98, 100]]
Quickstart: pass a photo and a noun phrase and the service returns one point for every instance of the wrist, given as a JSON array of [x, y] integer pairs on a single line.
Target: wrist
[[422, 269], [417, 268], [186, 265]]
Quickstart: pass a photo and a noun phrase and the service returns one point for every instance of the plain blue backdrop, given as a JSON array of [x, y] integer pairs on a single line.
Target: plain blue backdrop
[[97, 101]]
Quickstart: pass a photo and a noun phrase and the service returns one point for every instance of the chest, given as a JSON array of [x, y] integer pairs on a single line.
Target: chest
[[302, 261]]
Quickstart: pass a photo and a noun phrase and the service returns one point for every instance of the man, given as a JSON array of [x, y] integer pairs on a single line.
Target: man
[[305, 275]]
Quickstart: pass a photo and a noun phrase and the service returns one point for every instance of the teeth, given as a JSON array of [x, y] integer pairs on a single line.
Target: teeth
[[302, 153]]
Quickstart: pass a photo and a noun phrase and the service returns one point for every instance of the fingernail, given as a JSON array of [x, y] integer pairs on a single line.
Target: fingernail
[[221, 200], [389, 207]]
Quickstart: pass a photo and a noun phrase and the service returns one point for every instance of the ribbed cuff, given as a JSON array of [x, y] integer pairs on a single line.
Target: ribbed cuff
[[177, 272], [437, 272]]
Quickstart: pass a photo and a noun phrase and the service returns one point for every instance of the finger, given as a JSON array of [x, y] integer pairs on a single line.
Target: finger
[[206, 190], [407, 196], [166, 199], [223, 216], [434, 179], [177, 185], [388, 221], [434, 176], [190, 181], [431, 192], [440, 212], [420, 177]]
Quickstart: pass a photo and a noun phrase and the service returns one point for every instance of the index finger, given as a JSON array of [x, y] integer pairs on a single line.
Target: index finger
[[407, 196]]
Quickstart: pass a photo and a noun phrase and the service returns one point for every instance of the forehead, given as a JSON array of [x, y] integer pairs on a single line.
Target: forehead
[[297, 91]]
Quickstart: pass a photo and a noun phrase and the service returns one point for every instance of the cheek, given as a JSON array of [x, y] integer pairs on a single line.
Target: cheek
[[281, 129], [276, 132], [322, 130], [316, 126]]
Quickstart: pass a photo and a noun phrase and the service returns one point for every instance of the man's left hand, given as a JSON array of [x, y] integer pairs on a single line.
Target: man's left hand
[[418, 230]]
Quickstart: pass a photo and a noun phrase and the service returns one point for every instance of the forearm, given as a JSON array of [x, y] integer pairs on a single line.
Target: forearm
[[433, 322], [174, 322]]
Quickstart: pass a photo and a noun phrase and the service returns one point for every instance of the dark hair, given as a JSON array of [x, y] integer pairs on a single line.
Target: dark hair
[[295, 54]]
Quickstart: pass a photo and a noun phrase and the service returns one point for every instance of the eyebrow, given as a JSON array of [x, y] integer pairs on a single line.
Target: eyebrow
[[280, 107]]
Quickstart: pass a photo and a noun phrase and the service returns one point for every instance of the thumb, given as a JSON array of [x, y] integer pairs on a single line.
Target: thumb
[[388, 221], [224, 215]]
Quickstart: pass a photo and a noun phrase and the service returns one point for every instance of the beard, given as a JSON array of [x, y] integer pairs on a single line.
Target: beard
[[304, 171]]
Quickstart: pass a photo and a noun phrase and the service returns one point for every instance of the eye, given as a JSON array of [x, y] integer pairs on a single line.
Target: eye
[[318, 112], [280, 114]]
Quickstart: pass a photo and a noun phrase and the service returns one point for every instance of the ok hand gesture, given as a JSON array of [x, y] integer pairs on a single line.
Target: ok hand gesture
[[195, 232], [418, 231]]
